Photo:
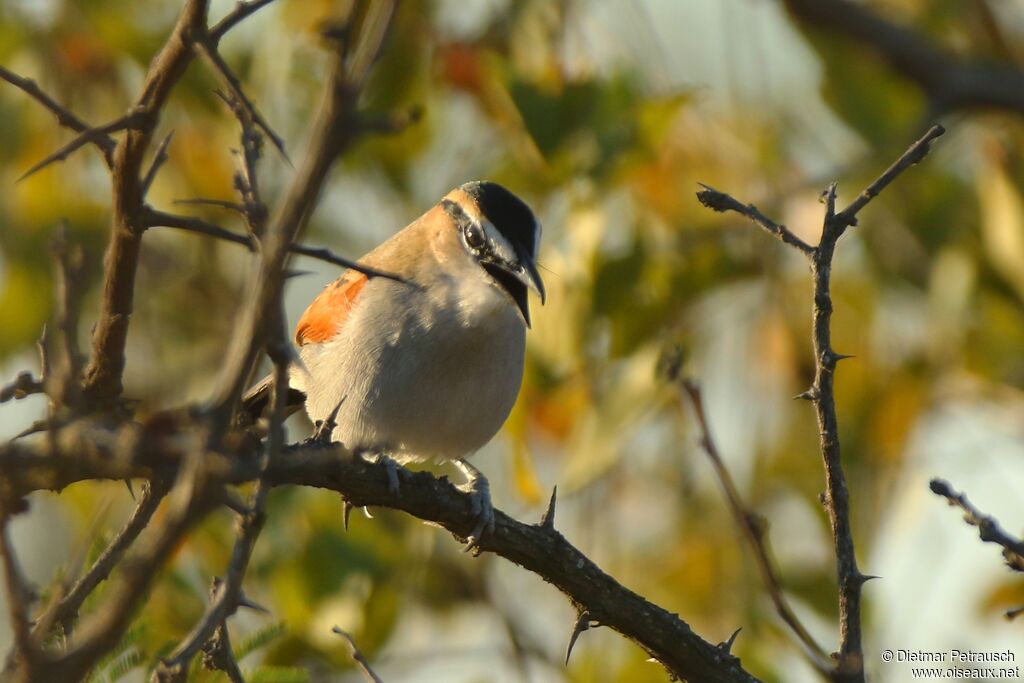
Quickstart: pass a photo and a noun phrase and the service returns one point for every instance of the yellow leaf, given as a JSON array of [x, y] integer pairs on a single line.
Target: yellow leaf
[[1002, 222]]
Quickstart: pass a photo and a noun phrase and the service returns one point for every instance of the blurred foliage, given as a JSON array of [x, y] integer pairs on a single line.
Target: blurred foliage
[[599, 116]]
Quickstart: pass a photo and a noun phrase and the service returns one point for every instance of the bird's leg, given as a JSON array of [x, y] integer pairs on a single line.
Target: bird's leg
[[479, 490], [390, 466]]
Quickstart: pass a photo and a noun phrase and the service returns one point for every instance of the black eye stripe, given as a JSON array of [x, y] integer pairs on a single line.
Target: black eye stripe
[[456, 212], [472, 233]]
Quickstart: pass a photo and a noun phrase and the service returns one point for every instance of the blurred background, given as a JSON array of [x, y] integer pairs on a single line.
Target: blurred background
[[604, 116]]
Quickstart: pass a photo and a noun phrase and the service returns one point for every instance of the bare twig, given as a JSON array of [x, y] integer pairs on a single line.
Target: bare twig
[[66, 610], [63, 376], [242, 10], [129, 121], [158, 160], [989, 529], [246, 179], [103, 384], [162, 219], [754, 529], [326, 255], [358, 657], [721, 202], [850, 665], [914, 154], [86, 453], [226, 595], [65, 117], [219, 203], [333, 131], [190, 501], [230, 81], [24, 384], [26, 652], [218, 654], [210, 633]]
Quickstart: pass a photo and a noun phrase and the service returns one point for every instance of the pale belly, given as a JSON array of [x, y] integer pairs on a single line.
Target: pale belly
[[413, 391]]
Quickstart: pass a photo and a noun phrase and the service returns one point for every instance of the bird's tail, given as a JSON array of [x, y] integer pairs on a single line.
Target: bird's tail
[[257, 399]]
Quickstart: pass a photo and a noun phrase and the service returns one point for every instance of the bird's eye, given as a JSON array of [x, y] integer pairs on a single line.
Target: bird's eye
[[474, 236]]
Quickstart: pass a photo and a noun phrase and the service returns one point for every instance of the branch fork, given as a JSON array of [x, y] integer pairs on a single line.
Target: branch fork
[[849, 665]]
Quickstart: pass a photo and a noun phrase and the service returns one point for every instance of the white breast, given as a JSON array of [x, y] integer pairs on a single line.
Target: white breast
[[420, 373]]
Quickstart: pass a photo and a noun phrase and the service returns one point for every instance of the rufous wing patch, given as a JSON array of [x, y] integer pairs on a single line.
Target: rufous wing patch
[[326, 315]]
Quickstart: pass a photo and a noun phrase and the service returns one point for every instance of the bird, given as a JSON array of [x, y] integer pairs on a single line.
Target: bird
[[426, 365]]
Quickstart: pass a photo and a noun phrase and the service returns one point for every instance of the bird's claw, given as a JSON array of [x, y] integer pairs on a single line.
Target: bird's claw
[[391, 467], [479, 490]]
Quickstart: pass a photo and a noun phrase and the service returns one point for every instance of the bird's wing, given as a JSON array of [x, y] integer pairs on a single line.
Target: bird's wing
[[326, 315]]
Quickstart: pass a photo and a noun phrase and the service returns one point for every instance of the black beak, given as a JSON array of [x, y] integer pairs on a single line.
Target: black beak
[[517, 279]]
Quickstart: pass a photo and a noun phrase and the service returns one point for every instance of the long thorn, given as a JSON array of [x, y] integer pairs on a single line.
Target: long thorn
[[582, 624]]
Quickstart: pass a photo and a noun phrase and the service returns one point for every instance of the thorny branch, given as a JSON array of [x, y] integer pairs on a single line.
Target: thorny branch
[[65, 611], [754, 528], [335, 129], [989, 529], [190, 500], [210, 633], [87, 451], [103, 376], [162, 219], [168, 447], [65, 117], [850, 663]]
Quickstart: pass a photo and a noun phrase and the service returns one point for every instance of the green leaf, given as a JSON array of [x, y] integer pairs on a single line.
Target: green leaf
[[260, 639]]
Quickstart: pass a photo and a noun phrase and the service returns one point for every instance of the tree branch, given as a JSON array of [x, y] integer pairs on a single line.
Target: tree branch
[[850, 666], [230, 81], [103, 376], [243, 9], [25, 652], [357, 656], [721, 202], [88, 450], [335, 129], [24, 384], [914, 155], [754, 528], [65, 612], [129, 121], [948, 81], [65, 117], [102, 384], [989, 529], [162, 219]]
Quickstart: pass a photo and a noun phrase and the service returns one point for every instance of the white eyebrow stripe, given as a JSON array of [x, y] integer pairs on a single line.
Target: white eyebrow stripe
[[501, 247]]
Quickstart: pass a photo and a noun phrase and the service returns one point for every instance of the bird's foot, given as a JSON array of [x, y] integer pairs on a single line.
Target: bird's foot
[[391, 467], [479, 490]]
